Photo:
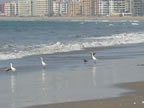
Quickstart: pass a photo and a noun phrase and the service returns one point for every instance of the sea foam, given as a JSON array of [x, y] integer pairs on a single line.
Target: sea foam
[[20, 51]]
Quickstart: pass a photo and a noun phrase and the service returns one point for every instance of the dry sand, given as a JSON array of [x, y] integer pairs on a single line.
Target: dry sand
[[67, 18], [127, 100]]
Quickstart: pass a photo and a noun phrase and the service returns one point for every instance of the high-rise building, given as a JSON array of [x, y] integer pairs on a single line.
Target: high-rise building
[[137, 7], [10, 8], [127, 5], [75, 8], [40, 8], [60, 7], [95, 7], [86, 7], [24, 7], [34, 7], [7, 9], [2, 9], [116, 7], [50, 7], [103, 8]]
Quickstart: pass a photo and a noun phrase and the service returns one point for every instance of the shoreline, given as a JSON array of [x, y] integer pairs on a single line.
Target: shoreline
[[3, 18], [133, 99]]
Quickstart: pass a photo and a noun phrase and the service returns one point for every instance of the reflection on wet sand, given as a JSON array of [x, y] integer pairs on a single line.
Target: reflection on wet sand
[[43, 76], [94, 75], [13, 82], [43, 82], [13, 87]]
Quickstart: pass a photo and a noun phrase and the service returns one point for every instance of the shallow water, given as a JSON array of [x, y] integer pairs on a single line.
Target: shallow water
[[66, 77]]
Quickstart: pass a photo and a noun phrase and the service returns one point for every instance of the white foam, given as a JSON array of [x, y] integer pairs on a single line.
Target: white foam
[[110, 24], [134, 23], [19, 51], [98, 20]]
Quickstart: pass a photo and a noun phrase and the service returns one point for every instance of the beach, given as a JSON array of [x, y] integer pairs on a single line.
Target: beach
[[133, 99], [114, 79]]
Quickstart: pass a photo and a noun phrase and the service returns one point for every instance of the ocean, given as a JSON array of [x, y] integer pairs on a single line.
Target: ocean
[[119, 48]]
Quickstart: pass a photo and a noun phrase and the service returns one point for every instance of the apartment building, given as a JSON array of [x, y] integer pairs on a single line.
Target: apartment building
[[137, 7], [60, 8], [25, 7], [86, 7], [75, 8], [116, 7], [103, 8], [10, 9], [2, 9], [95, 7], [40, 8]]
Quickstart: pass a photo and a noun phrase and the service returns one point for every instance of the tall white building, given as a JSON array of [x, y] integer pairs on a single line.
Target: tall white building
[[7, 9], [103, 7], [10, 8], [116, 7], [41, 7], [60, 7], [24, 7]]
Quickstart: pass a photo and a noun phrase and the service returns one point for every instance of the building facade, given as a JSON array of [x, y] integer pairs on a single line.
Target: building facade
[[86, 7], [10, 8], [95, 7], [24, 7], [60, 8], [40, 8], [137, 7], [2, 9], [116, 7], [103, 8], [75, 8]]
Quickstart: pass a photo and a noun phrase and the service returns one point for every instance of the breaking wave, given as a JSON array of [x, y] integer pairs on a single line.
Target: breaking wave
[[19, 51]]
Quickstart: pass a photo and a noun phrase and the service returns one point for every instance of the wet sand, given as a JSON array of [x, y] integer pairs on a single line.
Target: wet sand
[[66, 18], [134, 99]]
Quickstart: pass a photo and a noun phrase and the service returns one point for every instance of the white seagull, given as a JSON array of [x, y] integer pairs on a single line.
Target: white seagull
[[12, 68], [42, 62], [93, 57]]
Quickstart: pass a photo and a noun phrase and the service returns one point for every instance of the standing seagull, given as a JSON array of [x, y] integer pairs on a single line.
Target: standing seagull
[[93, 57], [43, 63], [12, 68]]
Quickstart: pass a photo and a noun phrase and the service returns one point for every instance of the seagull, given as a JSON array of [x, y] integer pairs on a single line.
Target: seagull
[[93, 57], [12, 68], [42, 62]]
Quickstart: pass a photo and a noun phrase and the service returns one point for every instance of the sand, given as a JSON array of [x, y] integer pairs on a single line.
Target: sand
[[2, 18], [133, 99]]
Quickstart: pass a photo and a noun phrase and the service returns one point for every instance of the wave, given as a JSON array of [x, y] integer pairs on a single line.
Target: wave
[[20, 51], [102, 20], [135, 24]]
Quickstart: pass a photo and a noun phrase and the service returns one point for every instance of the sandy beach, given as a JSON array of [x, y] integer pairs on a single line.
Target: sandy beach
[[128, 100], [66, 18], [115, 80]]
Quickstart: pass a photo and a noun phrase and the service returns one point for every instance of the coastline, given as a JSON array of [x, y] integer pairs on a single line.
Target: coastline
[[133, 99], [3, 18], [66, 78]]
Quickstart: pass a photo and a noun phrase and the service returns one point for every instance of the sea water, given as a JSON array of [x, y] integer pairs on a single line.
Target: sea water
[[119, 47]]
